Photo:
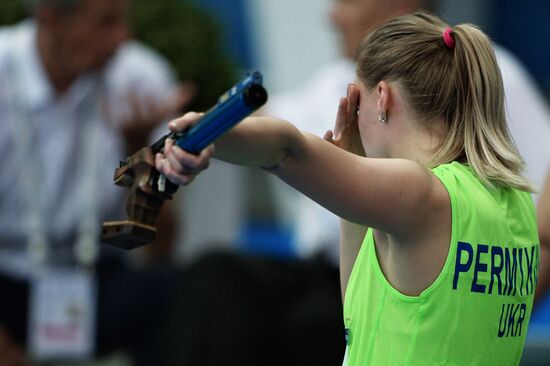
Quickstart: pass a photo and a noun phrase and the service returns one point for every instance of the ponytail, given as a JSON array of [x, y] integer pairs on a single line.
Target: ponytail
[[448, 74]]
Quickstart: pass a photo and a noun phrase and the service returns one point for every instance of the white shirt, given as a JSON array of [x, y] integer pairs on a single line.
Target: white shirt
[[313, 108], [59, 127]]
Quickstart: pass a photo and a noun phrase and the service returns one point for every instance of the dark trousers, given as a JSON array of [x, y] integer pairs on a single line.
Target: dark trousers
[[244, 310]]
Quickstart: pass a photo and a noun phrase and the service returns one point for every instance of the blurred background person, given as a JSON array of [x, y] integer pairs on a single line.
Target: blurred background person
[[69, 111], [78, 95]]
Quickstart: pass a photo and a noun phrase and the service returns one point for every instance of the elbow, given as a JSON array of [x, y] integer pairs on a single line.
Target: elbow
[[287, 146], [278, 161]]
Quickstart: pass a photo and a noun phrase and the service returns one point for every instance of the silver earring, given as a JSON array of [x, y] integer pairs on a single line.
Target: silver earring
[[382, 117]]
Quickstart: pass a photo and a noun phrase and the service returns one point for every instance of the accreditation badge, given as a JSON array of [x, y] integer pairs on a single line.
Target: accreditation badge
[[62, 314]]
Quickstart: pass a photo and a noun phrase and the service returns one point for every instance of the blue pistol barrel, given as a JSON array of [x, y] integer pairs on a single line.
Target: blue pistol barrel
[[237, 103]]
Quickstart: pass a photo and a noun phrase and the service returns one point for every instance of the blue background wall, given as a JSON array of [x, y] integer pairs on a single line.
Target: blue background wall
[[524, 28]]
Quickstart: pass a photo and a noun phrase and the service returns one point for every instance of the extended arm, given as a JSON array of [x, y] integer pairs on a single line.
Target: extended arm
[[399, 197], [379, 193]]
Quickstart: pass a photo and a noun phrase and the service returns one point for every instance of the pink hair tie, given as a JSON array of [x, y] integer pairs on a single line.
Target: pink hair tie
[[448, 38]]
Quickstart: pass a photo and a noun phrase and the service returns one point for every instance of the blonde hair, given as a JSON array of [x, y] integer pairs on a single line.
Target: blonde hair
[[460, 85]]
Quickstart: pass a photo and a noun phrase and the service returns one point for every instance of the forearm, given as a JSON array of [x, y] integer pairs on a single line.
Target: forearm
[[261, 142], [351, 238]]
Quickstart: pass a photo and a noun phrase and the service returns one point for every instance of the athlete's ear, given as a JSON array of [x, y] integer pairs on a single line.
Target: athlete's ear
[[385, 100]]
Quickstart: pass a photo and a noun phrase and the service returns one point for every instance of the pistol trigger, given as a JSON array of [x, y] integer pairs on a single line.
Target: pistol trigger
[[161, 183]]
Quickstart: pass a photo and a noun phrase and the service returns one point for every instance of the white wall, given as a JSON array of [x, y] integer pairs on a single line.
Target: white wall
[[292, 39]]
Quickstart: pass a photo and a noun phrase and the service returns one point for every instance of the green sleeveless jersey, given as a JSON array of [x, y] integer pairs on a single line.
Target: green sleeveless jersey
[[477, 310]]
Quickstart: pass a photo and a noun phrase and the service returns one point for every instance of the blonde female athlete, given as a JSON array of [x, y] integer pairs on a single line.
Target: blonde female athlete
[[421, 156]]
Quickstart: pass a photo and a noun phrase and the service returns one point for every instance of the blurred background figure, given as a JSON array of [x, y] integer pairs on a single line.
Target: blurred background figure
[[77, 95]]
